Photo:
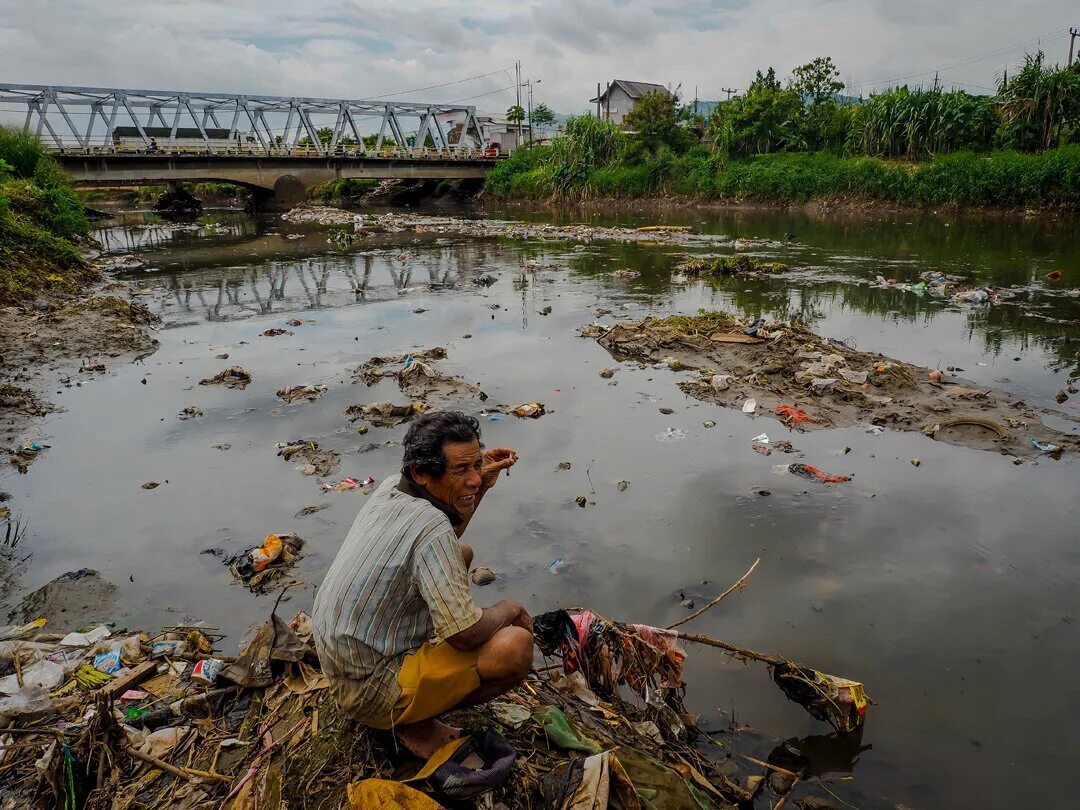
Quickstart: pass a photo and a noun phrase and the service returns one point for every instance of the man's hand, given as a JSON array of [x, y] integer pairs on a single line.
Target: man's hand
[[524, 620], [495, 461], [506, 613]]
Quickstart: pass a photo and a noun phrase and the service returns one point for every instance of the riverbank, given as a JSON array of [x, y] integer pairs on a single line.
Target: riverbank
[[995, 181]]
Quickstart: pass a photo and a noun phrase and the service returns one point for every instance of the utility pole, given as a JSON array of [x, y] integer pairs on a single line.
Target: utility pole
[[729, 91], [517, 87], [598, 101], [1073, 34], [530, 84]]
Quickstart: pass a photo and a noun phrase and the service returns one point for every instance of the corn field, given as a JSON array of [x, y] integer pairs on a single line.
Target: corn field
[[917, 124], [1039, 106]]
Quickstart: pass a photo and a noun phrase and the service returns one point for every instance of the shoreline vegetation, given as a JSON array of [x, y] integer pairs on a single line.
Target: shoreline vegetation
[[802, 141], [42, 223]]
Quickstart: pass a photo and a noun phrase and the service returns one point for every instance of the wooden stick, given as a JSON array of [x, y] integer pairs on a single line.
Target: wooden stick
[[697, 638], [161, 765], [187, 774], [784, 798], [740, 584]]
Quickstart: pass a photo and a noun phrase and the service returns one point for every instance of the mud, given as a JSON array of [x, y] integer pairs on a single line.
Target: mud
[[67, 601], [831, 383]]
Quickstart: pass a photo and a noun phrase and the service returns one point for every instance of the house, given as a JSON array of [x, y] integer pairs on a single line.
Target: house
[[507, 135], [621, 96]]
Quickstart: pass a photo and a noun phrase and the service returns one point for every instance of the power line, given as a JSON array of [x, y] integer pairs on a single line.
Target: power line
[[964, 62], [481, 95], [444, 84]]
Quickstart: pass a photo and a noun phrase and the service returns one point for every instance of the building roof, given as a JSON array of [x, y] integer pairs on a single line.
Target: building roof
[[634, 89]]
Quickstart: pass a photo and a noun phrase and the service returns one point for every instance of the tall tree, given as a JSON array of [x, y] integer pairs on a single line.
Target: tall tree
[[817, 81], [542, 116], [655, 120], [515, 114]]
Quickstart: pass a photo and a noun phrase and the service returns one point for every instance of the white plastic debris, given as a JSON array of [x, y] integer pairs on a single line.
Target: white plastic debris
[[86, 639], [749, 406]]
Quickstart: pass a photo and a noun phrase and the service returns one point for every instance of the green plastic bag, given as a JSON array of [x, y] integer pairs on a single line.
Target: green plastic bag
[[559, 731]]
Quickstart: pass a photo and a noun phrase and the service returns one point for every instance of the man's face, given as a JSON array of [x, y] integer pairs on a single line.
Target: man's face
[[461, 482]]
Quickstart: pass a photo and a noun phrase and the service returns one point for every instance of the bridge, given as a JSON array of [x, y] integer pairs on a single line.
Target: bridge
[[274, 146]]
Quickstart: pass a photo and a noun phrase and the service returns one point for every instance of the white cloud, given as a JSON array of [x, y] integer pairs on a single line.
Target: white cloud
[[356, 48]]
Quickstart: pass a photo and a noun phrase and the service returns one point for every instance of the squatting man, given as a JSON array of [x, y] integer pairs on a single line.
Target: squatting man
[[394, 621]]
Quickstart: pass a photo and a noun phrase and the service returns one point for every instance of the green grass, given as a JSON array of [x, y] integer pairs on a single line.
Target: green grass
[[338, 189], [985, 179], [214, 191], [40, 219]]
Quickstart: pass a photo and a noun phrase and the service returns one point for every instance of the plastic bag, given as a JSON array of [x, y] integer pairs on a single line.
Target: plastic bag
[[44, 674], [29, 699]]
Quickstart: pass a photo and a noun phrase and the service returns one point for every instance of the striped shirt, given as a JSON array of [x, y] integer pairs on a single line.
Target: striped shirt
[[398, 579]]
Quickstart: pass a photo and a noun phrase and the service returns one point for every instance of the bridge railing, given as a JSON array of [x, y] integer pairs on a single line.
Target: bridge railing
[[73, 147]]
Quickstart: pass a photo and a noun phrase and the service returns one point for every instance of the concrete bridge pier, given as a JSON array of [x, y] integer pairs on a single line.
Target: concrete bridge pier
[[288, 192], [178, 202]]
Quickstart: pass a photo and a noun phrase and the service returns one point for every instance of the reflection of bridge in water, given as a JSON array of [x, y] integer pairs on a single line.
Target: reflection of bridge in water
[[333, 280]]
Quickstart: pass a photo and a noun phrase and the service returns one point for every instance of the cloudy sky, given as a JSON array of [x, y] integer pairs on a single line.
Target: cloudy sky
[[361, 49]]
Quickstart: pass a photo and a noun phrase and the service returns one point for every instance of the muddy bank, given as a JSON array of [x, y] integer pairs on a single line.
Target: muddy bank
[[66, 342], [811, 382]]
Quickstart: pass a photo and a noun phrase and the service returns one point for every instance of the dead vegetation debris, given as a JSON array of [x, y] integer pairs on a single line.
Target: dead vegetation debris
[[383, 414], [293, 393], [236, 377], [310, 459], [739, 264]]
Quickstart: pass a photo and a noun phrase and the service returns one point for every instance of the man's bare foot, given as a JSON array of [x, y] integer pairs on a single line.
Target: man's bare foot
[[423, 739]]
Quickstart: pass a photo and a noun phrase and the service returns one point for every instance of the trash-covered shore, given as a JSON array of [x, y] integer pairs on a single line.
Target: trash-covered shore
[[810, 382], [506, 229], [105, 716]]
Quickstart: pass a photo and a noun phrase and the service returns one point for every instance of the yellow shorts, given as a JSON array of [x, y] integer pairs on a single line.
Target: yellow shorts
[[433, 680]]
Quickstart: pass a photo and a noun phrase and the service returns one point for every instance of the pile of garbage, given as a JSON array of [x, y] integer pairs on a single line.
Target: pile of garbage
[[813, 382], [418, 377], [505, 229], [107, 717], [263, 567], [323, 215]]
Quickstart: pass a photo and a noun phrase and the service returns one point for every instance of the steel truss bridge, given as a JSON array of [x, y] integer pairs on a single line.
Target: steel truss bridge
[[271, 144]]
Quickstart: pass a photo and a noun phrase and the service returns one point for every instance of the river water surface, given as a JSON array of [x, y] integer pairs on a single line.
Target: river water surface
[[950, 589]]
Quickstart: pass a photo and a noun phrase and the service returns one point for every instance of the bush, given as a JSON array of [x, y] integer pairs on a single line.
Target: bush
[[22, 152]]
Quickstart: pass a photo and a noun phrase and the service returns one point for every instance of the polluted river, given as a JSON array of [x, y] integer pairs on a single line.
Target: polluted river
[[944, 574]]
